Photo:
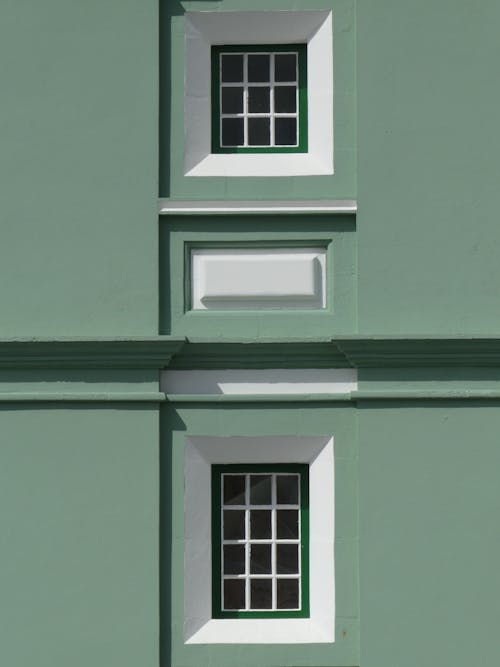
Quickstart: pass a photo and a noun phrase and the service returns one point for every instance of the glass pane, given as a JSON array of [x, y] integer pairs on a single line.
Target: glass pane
[[260, 559], [285, 67], [234, 489], [258, 67], [260, 487], [232, 100], [287, 524], [261, 594], [287, 487], [232, 132], [287, 592], [234, 594], [285, 99], [259, 132], [287, 558], [258, 99], [260, 524], [285, 131], [232, 68], [234, 559], [234, 524]]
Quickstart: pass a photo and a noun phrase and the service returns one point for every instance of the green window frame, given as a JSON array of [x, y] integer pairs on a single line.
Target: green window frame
[[279, 103], [260, 543]]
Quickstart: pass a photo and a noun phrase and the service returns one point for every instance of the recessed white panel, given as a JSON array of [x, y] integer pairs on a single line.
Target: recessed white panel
[[256, 279]]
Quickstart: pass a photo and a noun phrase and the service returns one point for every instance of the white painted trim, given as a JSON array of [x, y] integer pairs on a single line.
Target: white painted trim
[[262, 382], [242, 207], [283, 278], [202, 30], [199, 454]]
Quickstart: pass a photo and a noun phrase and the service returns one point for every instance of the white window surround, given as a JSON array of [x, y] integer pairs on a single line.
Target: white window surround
[[200, 453], [202, 30]]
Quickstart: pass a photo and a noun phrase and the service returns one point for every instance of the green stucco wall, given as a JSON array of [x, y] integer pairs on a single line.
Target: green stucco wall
[[429, 538], [428, 166], [79, 536], [81, 583], [78, 167]]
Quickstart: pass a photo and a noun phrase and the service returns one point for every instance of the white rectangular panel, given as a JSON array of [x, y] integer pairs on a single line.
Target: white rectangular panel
[[258, 278]]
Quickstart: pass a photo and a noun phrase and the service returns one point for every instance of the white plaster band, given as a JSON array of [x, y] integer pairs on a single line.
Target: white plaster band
[[263, 382]]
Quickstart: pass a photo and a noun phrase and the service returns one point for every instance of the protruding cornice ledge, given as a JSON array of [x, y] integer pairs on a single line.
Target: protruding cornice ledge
[[106, 352], [247, 207], [177, 352], [423, 351]]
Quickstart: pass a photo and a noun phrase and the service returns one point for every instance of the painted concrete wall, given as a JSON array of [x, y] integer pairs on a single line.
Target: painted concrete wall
[[79, 536], [428, 167], [430, 544], [79, 256], [78, 168]]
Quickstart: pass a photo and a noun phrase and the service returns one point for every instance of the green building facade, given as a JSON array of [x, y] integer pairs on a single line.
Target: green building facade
[[279, 267]]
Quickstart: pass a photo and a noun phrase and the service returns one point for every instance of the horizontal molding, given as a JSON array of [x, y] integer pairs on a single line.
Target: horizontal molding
[[248, 207], [252, 398], [319, 353], [111, 353], [82, 396], [353, 397], [411, 351], [362, 352]]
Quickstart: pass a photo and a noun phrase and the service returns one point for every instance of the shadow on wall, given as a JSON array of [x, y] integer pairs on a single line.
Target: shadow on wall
[[168, 9], [169, 422]]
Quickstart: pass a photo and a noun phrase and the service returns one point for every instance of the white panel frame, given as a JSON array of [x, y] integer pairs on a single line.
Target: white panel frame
[[199, 454], [202, 30], [259, 278]]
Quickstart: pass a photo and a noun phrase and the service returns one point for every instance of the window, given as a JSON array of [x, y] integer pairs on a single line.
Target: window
[[260, 541], [277, 39], [311, 457], [259, 98]]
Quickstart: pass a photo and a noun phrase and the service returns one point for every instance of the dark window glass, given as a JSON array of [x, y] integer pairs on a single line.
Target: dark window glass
[[232, 100], [260, 559], [261, 594], [234, 594], [232, 68], [285, 99], [285, 132], [287, 592], [234, 559], [258, 99], [258, 67], [285, 67], [287, 487], [260, 524], [234, 489], [287, 558], [234, 524], [260, 487], [259, 133], [233, 132], [287, 524]]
